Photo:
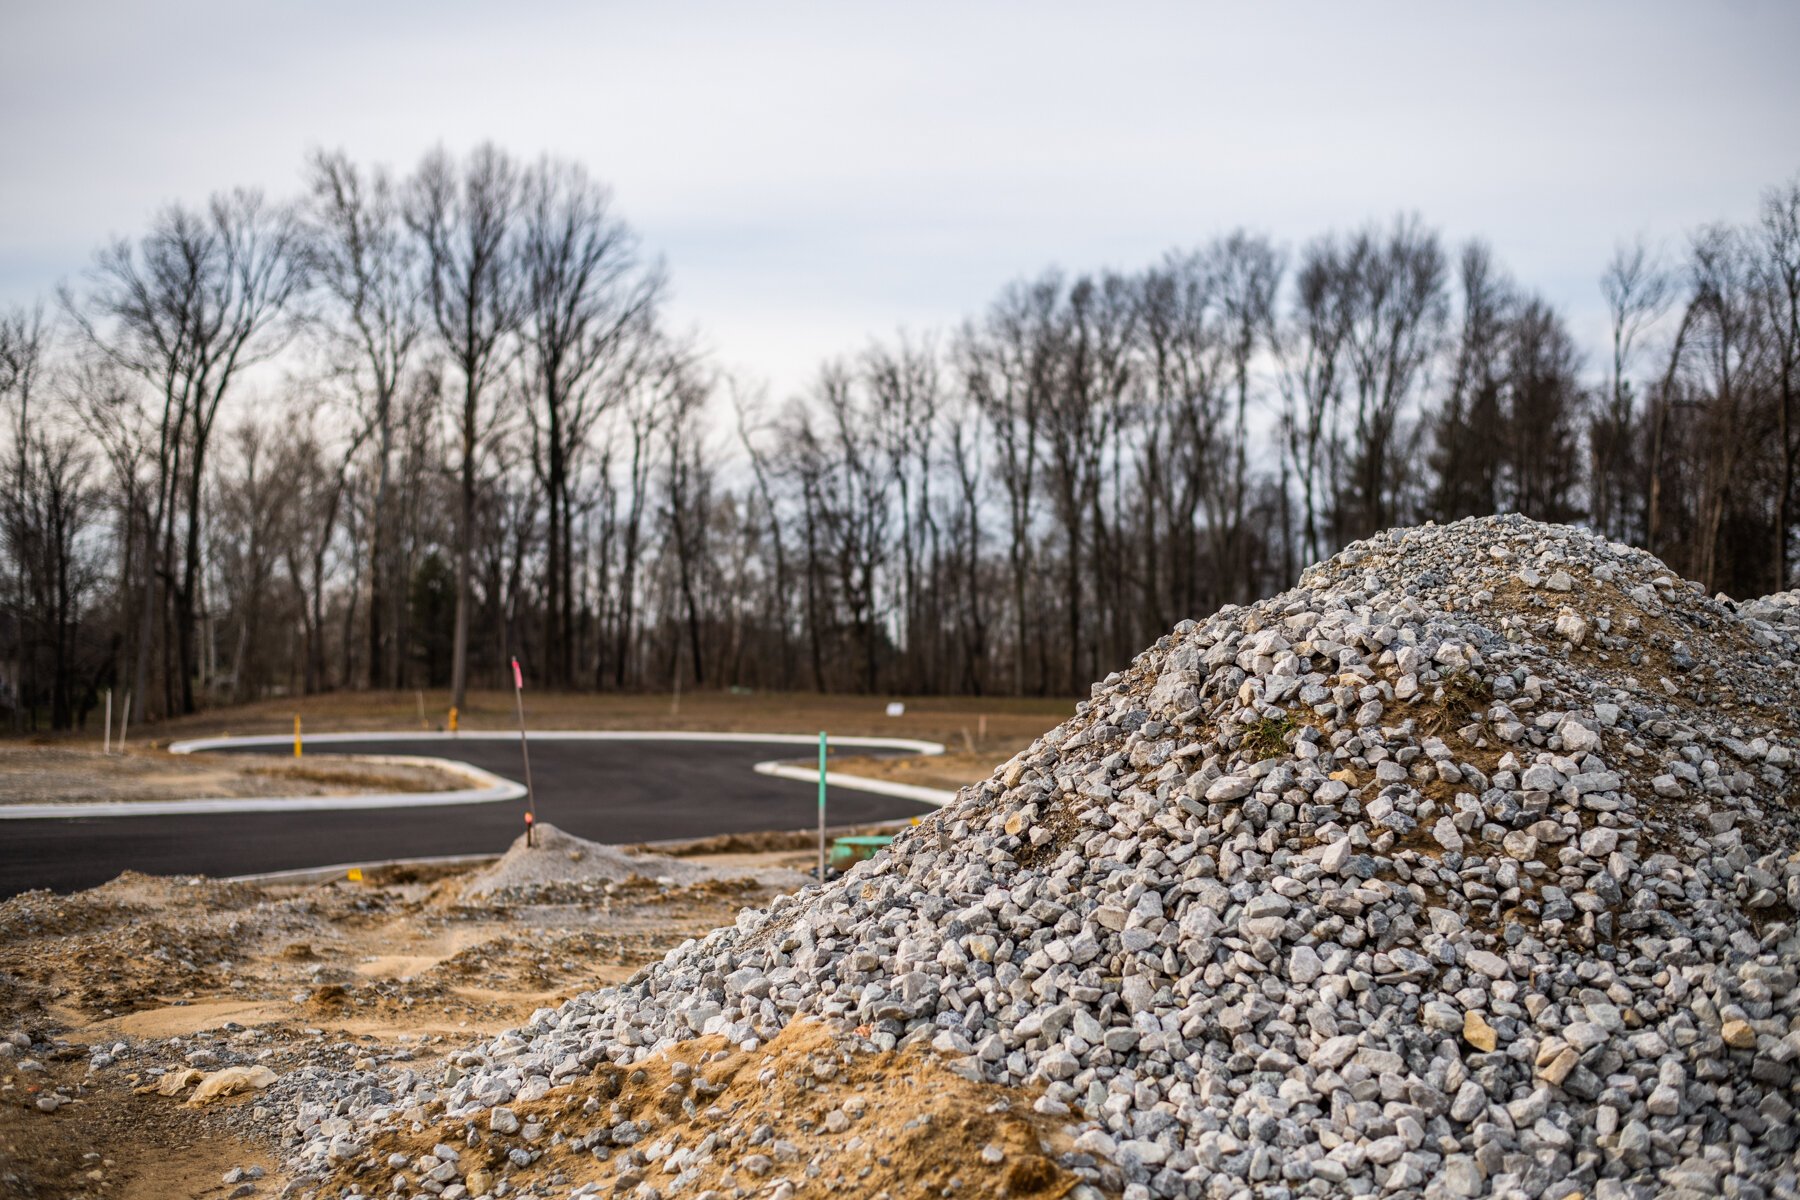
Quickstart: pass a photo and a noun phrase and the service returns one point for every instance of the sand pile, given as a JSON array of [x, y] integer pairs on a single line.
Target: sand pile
[[877, 1125], [557, 860], [1460, 869]]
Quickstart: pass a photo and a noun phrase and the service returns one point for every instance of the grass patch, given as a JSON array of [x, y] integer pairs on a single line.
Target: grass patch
[[1268, 737]]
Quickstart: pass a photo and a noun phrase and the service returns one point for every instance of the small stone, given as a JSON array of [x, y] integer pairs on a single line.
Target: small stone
[[1557, 1069], [1471, 1101], [1462, 1176], [1738, 1035], [1599, 842], [1478, 1033], [1489, 964], [1230, 787], [1304, 965]]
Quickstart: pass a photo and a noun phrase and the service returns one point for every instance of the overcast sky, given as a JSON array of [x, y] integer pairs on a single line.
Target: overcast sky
[[816, 175]]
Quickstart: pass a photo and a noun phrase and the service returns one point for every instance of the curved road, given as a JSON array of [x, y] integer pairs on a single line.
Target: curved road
[[606, 791]]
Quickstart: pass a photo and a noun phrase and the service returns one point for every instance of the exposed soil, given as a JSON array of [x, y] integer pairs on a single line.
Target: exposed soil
[[815, 1107], [161, 974], [129, 990]]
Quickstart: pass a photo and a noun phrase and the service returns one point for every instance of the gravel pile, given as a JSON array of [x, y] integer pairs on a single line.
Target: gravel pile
[[1460, 869]]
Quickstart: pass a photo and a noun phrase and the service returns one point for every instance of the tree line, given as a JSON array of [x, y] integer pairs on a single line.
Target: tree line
[[399, 429]]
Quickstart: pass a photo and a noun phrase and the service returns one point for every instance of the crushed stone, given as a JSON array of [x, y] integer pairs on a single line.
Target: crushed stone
[[1463, 868]]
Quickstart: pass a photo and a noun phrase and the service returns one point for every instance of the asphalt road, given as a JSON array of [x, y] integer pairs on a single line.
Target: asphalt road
[[606, 791]]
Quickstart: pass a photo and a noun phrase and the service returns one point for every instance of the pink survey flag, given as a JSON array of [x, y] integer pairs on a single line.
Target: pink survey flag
[[518, 678]]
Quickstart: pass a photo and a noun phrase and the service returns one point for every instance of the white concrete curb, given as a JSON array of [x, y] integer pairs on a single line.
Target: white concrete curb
[[559, 735], [858, 783], [489, 788]]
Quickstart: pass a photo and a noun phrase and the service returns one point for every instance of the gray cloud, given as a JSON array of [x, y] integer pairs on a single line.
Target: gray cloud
[[818, 174]]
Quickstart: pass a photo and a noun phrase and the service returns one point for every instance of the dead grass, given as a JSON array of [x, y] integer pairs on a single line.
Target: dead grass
[[1464, 699], [948, 772], [997, 727]]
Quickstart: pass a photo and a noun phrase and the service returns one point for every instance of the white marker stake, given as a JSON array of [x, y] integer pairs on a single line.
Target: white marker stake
[[106, 742], [821, 806], [124, 719], [525, 752]]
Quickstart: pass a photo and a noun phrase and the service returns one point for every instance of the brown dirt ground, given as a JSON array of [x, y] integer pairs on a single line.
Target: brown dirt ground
[[65, 774], [399, 969], [286, 975]]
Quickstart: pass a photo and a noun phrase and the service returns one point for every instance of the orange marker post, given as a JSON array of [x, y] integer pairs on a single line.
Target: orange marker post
[[525, 753], [296, 735], [452, 720]]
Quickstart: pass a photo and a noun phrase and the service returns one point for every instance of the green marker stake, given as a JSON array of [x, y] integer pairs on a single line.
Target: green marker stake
[[821, 806]]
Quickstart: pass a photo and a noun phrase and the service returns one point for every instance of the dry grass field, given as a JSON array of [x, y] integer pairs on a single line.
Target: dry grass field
[[995, 727]]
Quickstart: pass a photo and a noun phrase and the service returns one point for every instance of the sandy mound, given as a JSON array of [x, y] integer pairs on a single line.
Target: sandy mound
[[559, 860]]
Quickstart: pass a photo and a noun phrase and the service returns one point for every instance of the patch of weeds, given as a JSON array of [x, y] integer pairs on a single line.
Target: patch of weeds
[[1267, 738]]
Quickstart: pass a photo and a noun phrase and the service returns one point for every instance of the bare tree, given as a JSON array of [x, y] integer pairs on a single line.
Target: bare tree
[[1183, 344], [199, 300], [1545, 405], [258, 494], [688, 489], [1726, 339], [1779, 268], [590, 306], [1248, 269], [1313, 370], [647, 405], [1008, 367], [747, 405], [317, 476], [466, 214], [1638, 292], [370, 266], [1468, 429], [1397, 309], [22, 359], [903, 388]]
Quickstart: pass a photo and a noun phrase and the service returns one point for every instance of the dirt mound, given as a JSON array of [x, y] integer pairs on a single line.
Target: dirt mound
[[554, 859], [718, 1117]]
